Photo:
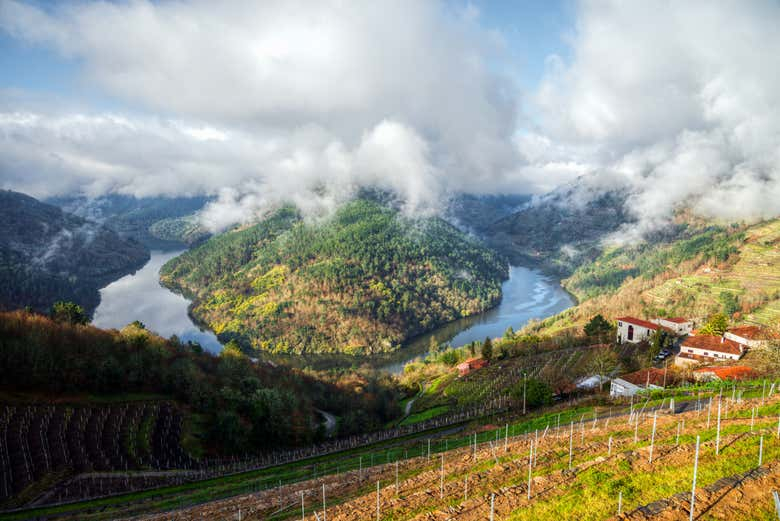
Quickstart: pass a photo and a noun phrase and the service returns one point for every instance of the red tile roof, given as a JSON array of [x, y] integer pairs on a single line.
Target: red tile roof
[[712, 343], [734, 372], [749, 332], [677, 320], [473, 363], [656, 377], [644, 323]]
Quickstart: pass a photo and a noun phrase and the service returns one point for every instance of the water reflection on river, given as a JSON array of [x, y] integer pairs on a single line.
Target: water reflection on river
[[140, 296], [527, 294]]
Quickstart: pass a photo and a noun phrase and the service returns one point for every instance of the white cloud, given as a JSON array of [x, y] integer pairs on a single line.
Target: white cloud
[[280, 96], [277, 100], [682, 99]]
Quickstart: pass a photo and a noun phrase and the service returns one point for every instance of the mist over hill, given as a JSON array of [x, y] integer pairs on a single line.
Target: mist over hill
[[48, 255]]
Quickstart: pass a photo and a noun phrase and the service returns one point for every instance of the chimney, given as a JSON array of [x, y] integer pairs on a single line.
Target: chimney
[[722, 339]]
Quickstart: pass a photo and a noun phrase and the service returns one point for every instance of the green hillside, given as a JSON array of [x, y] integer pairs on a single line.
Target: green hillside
[[361, 281], [732, 269]]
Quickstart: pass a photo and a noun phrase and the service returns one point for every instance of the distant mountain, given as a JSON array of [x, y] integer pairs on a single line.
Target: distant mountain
[[48, 255], [560, 230], [158, 222], [362, 281], [478, 213]]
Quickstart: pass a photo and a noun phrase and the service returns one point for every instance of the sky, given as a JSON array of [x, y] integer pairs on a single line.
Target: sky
[[257, 103]]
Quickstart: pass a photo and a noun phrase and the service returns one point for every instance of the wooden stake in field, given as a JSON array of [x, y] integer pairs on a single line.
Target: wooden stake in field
[[466, 488], [760, 450], [324, 512], [652, 436], [396, 478], [695, 470], [609, 450], [441, 479], [752, 418], [377, 501], [571, 443], [530, 466], [620, 502], [677, 440], [717, 435], [492, 504], [303, 510], [506, 438]]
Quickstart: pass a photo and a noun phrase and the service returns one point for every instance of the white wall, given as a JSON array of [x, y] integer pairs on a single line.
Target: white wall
[[640, 333]]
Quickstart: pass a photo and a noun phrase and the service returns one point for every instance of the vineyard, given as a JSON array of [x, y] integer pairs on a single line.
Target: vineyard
[[46, 450], [622, 462]]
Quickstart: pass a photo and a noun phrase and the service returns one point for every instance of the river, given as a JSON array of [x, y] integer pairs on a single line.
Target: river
[[140, 296], [527, 294]]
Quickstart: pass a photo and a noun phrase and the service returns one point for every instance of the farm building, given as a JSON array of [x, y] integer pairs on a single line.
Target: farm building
[[750, 336], [635, 330], [472, 364], [734, 372], [680, 326], [633, 383], [706, 348]]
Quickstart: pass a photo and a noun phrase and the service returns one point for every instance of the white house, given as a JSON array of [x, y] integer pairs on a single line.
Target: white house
[[680, 326], [750, 336], [706, 348], [635, 330], [633, 383]]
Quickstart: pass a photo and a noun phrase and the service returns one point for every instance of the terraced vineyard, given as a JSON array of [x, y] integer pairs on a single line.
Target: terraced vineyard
[[754, 279], [496, 379], [46, 451], [635, 463]]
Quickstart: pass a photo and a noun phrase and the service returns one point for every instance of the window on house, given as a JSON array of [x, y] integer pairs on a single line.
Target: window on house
[[630, 332]]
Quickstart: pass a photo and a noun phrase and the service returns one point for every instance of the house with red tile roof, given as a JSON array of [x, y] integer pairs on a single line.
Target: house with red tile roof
[[751, 336], [635, 330], [472, 364], [733, 372], [708, 348], [681, 326]]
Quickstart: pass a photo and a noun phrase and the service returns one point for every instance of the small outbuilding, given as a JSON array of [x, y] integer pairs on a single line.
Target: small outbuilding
[[472, 364], [639, 381], [723, 373]]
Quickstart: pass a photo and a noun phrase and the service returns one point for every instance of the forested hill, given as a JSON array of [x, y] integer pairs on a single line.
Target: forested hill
[[363, 281], [48, 255], [562, 229]]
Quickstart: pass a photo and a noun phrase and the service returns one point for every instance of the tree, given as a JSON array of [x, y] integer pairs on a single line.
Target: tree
[[509, 333], [716, 324], [433, 346], [604, 362], [728, 302], [537, 393], [68, 312], [597, 326], [657, 341], [487, 349]]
